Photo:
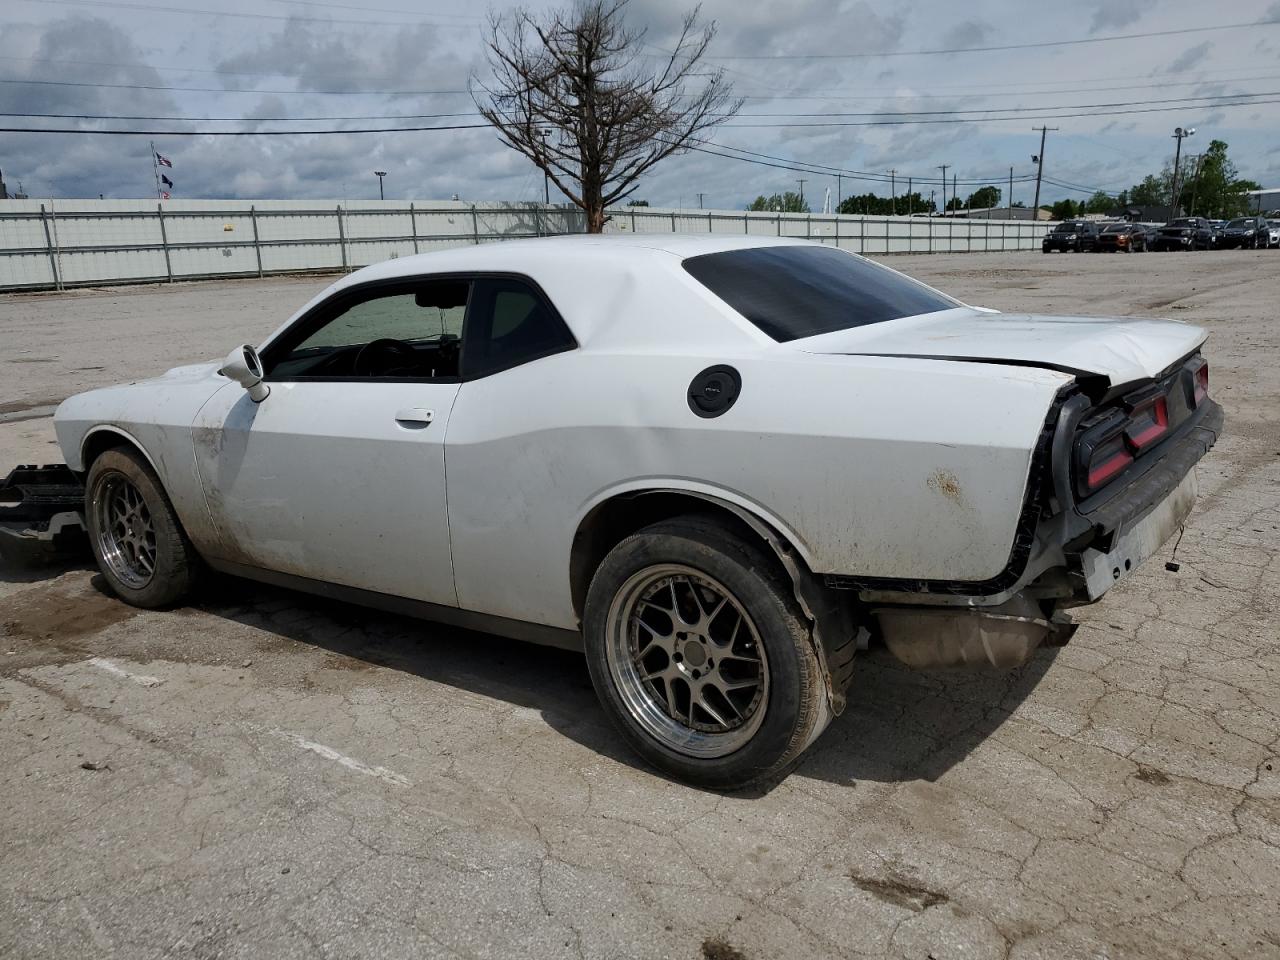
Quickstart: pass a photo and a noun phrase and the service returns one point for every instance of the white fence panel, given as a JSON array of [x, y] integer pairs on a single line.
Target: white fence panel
[[67, 243]]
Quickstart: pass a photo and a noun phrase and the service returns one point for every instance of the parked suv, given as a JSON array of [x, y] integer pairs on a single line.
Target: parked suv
[[1273, 233], [1249, 232], [1077, 236], [1124, 237], [1186, 233]]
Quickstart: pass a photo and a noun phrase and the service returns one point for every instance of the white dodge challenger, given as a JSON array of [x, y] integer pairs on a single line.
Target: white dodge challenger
[[718, 466]]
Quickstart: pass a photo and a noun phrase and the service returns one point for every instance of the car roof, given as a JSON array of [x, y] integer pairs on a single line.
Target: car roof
[[622, 290], [515, 255]]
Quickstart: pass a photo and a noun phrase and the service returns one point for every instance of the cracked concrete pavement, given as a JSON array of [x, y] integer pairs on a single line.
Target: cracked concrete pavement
[[268, 774]]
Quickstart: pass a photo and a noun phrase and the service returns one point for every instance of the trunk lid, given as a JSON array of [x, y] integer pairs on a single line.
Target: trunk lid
[[1122, 350]]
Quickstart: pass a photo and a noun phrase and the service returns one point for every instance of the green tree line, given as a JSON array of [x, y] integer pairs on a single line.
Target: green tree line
[[1209, 185]]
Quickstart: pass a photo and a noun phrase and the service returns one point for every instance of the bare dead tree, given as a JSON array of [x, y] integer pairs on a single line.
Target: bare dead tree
[[571, 92]]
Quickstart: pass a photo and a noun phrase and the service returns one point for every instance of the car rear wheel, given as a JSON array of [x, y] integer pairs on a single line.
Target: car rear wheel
[[700, 656], [137, 540]]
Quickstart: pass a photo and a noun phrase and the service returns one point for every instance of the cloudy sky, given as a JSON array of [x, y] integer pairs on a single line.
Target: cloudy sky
[[818, 77]]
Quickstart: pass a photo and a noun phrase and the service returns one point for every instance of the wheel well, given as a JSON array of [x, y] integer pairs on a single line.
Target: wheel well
[[614, 520], [99, 442]]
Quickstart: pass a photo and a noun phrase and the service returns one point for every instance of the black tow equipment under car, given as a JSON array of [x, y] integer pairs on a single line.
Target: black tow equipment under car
[[41, 514]]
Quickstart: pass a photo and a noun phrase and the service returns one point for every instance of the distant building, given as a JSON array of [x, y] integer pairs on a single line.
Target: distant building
[[1151, 214], [998, 213], [4, 191]]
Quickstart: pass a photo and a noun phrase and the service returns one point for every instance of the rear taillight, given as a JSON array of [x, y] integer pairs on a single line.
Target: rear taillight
[[1118, 437], [1147, 423], [1107, 460], [1202, 382]]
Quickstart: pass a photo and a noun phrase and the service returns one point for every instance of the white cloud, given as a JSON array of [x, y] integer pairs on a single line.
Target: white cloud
[[300, 58]]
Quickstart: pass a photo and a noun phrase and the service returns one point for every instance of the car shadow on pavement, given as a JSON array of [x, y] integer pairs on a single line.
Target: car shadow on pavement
[[900, 724]]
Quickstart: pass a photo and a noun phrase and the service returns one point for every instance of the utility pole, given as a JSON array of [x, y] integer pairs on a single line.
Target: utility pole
[[1195, 185], [943, 168], [839, 191], [908, 196], [893, 193], [1009, 199], [955, 196], [700, 196], [380, 174], [1039, 162], [1178, 134], [802, 183]]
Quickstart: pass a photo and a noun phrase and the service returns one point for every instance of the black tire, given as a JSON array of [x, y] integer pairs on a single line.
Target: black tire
[[794, 703], [174, 564]]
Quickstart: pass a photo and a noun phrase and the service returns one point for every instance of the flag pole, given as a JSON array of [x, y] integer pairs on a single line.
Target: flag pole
[[155, 168]]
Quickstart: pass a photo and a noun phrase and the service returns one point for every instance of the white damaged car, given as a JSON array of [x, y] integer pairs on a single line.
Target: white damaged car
[[717, 465]]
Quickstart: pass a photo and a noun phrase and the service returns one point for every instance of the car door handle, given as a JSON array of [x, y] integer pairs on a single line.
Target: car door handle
[[415, 415]]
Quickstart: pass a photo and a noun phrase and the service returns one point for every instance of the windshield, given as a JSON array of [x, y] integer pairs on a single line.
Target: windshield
[[801, 291], [1069, 227], [1182, 223], [1239, 224], [1117, 228]]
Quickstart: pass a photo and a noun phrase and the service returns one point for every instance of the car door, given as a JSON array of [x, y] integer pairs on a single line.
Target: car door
[[338, 475], [512, 477]]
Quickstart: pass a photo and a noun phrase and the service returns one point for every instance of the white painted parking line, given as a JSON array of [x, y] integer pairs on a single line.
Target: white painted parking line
[[139, 678], [382, 773]]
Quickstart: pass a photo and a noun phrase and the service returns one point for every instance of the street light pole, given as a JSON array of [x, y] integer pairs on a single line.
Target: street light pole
[[380, 174], [544, 133], [802, 183], [1178, 134]]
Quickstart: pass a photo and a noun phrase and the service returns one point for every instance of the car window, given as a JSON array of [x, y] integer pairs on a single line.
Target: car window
[[408, 331], [801, 291], [510, 323]]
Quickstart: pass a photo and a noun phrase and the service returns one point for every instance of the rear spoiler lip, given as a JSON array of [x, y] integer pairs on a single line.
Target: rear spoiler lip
[[1088, 380], [1097, 385]]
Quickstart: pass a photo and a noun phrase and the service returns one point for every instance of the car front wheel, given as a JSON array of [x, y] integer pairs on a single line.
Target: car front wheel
[[700, 656], [136, 537]]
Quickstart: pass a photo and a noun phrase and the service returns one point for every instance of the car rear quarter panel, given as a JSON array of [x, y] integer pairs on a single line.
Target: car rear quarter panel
[[883, 467]]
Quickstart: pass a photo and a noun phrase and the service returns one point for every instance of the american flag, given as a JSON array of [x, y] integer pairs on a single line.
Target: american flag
[[163, 160]]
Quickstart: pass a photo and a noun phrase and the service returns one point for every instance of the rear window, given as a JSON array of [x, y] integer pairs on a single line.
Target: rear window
[[795, 292]]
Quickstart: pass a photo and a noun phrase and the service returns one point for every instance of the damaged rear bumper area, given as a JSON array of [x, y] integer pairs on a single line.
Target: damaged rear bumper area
[[41, 515], [1081, 550]]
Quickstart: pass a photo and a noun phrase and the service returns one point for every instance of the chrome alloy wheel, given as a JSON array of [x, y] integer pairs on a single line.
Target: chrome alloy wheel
[[687, 661], [124, 532]]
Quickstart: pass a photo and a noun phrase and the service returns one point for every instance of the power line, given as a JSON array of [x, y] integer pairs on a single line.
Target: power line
[[727, 126], [362, 7], [239, 133], [123, 116], [952, 93], [147, 86], [997, 48], [1004, 91], [288, 18], [852, 174], [1061, 106], [1042, 116]]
